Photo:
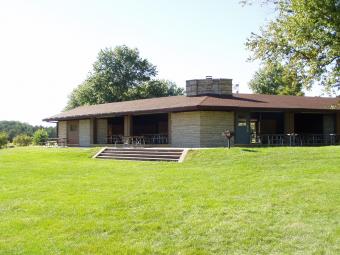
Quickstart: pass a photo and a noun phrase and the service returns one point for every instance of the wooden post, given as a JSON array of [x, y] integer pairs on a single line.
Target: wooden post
[[128, 125], [169, 128], [289, 122], [94, 131], [338, 123]]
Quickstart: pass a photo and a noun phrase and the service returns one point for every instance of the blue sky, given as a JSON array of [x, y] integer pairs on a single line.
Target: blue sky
[[47, 47]]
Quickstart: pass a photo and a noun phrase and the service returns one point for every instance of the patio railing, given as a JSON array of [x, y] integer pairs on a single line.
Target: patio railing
[[138, 140], [296, 139]]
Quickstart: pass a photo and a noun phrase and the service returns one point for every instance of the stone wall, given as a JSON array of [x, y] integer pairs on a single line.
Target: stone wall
[[220, 87], [200, 128], [213, 123], [185, 129], [62, 129]]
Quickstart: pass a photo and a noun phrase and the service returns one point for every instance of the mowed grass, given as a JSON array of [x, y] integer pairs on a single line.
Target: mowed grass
[[219, 201]]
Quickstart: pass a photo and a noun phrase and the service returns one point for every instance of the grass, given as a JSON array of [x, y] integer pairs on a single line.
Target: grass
[[238, 201]]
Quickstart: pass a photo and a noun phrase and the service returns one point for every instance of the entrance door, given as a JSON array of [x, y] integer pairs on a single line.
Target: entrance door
[[73, 132], [242, 129]]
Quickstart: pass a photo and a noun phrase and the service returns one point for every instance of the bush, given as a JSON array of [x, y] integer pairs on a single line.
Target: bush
[[40, 137], [3, 139], [22, 140]]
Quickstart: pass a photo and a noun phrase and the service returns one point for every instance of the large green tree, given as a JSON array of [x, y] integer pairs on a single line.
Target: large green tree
[[274, 79], [155, 88], [305, 38], [120, 74]]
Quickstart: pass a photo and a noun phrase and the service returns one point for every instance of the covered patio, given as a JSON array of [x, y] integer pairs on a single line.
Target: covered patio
[[149, 129], [286, 128]]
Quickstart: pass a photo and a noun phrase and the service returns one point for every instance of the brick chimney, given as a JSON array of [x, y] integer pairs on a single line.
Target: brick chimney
[[209, 86]]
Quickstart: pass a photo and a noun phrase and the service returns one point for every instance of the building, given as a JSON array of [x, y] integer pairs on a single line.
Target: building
[[199, 119]]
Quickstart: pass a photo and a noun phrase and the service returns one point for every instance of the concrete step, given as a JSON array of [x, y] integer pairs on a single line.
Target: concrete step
[[149, 150], [143, 154], [139, 155], [137, 158]]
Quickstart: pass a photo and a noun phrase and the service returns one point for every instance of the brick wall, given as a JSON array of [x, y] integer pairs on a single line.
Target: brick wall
[[200, 128], [209, 87], [62, 129], [185, 129]]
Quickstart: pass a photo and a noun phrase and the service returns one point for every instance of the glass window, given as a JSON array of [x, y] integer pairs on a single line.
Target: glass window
[[242, 123]]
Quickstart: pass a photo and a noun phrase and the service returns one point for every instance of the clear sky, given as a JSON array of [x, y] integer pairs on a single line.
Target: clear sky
[[47, 47]]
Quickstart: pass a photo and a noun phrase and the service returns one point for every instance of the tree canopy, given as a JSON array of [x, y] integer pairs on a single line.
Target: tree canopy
[[155, 88], [304, 37], [274, 79], [120, 74]]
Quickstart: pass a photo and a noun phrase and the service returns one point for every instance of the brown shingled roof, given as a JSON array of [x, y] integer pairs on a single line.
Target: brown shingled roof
[[184, 103]]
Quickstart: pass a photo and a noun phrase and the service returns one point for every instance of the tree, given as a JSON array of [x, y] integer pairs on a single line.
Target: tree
[[14, 128], [119, 74], [305, 39], [274, 79], [3, 139], [155, 88], [40, 137]]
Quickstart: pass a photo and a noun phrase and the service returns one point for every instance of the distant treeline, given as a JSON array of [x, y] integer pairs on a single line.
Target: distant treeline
[[14, 128]]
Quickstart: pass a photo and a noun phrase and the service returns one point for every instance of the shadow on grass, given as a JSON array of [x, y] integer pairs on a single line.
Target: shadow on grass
[[249, 150]]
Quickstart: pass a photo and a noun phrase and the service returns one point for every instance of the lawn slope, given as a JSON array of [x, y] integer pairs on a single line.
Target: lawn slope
[[238, 201]]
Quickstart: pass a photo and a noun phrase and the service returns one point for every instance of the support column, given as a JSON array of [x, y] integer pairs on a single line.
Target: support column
[[93, 131], [85, 132], [289, 122], [338, 123], [128, 125], [169, 128]]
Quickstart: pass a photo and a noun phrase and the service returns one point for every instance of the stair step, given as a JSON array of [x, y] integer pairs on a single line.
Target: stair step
[[137, 158], [143, 152], [139, 155], [148, 150]]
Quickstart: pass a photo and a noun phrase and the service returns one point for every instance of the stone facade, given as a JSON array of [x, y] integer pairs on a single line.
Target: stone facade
[[212, 124], [200, 128], [209, 86], [185, 129], [62, 129]]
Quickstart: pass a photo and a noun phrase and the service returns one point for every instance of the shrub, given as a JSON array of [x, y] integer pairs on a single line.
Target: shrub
[[3, 139], [40, 137], [22, 140]]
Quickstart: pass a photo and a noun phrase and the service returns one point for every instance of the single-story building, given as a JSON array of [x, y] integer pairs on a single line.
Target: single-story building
[[199, 118]]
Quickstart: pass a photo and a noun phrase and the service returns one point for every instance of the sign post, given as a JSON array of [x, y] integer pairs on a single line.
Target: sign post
[[228, 135]]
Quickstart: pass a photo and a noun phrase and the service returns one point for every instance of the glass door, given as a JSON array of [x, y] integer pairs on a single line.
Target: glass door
[[242, 129]]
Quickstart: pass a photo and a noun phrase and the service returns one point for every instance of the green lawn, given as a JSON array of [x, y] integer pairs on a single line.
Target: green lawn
[[238, 201]]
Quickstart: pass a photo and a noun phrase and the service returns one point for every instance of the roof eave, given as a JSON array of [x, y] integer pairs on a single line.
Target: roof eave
[[113, 114], [188, 108]]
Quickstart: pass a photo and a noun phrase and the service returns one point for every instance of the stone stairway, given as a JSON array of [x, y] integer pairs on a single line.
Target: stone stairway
[[142, 154]]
